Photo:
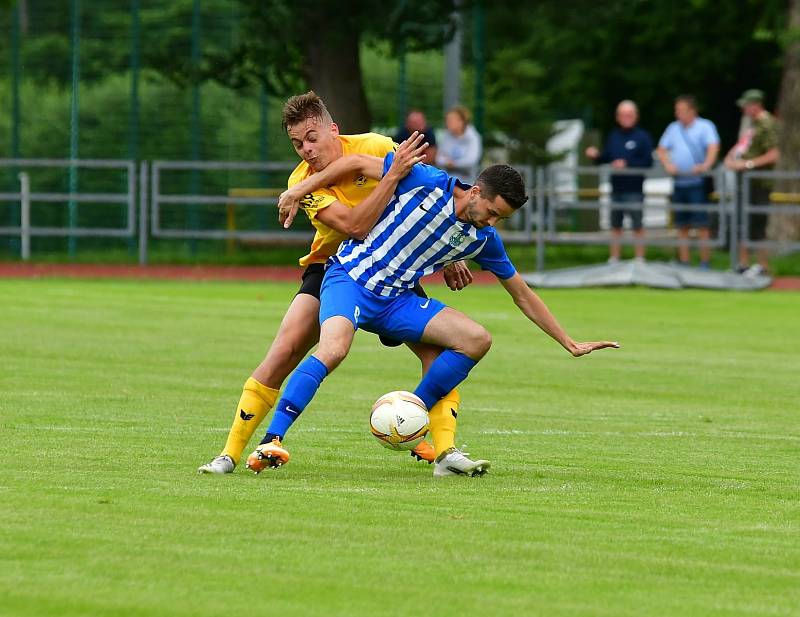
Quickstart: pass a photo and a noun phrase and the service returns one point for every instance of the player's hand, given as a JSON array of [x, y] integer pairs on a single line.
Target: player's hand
[[457, 275], [288, 204], [592, 152], [408, 153], [671, 169], [581, 349], [619, 164]]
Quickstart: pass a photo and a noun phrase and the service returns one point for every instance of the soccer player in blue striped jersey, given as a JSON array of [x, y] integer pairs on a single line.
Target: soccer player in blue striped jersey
[[430, 221]]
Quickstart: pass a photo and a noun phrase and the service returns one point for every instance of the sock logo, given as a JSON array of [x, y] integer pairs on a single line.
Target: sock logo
[[400, 420], [454, 412], [246, 416]]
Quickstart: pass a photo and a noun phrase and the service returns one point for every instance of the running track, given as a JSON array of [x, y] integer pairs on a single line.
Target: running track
[[221, 273]]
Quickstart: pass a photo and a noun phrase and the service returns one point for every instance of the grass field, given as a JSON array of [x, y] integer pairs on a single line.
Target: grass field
[[659, 479]]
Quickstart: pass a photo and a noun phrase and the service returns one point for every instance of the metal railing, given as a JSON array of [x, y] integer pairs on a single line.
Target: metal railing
[[27, 195], [790, 204], [553, 191]]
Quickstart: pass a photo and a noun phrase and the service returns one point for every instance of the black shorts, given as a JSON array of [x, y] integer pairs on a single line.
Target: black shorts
[[312, 280], [312, 283]]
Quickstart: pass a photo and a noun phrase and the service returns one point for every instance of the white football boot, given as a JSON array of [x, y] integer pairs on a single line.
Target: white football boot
[[452, 462], [219, 464]]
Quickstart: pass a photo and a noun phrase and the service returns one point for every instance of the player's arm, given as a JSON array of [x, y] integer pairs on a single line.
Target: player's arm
[[536, 310], [360, 220], [357, 222]]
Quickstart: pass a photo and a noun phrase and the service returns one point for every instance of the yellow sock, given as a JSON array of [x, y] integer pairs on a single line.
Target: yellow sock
[[257, 399], [443, 422]]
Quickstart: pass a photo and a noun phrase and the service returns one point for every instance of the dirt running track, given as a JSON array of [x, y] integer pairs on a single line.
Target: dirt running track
[[221, 273]]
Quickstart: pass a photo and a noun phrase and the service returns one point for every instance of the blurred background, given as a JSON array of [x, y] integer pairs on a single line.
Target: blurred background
[[192, 80]]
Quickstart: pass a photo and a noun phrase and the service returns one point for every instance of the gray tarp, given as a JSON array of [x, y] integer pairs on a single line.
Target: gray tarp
[[648, 274]]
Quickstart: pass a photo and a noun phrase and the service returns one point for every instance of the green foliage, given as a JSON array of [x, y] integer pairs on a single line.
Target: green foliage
[[595, 54], [519, 105], [273, 39]]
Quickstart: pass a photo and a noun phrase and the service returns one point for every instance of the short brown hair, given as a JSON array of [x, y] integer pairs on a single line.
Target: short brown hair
[[302, 107], [505, 181]]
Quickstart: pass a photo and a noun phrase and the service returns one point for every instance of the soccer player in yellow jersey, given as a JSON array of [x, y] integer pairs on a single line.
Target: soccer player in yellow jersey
[[334, 214]]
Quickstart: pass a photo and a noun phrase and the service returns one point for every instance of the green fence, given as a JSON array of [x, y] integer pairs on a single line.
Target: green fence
[[106, 79]]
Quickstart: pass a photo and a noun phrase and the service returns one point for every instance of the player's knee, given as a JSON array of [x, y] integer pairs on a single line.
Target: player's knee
[[478, 342], [331, 356], [484, 341]]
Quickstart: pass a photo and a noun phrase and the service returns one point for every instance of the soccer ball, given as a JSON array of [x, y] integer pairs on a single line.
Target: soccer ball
[[399, 420]]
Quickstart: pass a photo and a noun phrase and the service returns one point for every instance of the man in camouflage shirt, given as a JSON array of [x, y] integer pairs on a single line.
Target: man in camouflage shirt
[[757, 148]]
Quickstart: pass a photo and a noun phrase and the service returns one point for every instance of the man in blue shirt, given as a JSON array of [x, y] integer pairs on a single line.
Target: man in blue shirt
[[430, 220], [688, 147], [627, 146]]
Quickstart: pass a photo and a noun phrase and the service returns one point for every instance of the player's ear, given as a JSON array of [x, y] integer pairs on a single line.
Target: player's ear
[[334, 129]]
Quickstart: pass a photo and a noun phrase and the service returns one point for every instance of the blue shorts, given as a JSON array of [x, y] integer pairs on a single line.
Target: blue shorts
[[402, 317], [695, 194]]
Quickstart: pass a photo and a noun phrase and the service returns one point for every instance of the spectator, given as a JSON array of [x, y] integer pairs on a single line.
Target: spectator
[[416, 121], [460, 146], [757, 148], [688, 147], [626, 146]]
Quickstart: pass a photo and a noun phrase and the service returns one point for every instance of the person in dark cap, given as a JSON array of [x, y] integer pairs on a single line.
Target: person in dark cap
[[757, 148]]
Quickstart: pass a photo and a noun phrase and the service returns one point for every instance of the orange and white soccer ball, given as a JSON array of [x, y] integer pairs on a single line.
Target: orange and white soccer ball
[[399, 420]]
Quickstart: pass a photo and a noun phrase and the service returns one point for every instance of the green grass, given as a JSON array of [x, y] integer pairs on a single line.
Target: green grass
[[660, 479]]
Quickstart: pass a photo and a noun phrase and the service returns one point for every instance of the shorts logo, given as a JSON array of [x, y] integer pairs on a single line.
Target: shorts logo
[[457, 239], [356, 313], [360, 180], [425, 304]]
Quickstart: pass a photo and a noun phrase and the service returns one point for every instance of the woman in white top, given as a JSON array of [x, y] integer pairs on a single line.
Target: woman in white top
[[460, 147]]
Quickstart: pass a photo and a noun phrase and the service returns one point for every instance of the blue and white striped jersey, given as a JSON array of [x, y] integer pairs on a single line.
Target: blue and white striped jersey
[[417, 234]]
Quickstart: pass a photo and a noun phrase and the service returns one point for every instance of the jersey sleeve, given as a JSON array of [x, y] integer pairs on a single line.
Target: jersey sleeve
[[312, 203], [420, 175], [493, 257]]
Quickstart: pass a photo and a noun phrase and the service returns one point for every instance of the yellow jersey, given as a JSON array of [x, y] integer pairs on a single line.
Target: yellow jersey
[[351, 191]]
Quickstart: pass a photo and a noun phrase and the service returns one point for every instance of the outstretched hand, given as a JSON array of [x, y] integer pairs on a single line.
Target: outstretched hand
[[581, 349], [409, 153]]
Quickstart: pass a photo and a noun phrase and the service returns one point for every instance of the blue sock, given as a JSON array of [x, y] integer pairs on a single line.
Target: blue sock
[[301, 388], [446, 372]]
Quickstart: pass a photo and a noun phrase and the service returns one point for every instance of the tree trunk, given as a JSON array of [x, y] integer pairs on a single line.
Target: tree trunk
[[333, 70], [786, 227]]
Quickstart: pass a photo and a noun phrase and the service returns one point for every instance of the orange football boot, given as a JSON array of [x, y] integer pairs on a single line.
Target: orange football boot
[[271, 454]]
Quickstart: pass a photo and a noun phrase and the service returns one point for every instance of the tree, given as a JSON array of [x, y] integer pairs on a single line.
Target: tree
[[286, 45], [786, 227], [594, 54]]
